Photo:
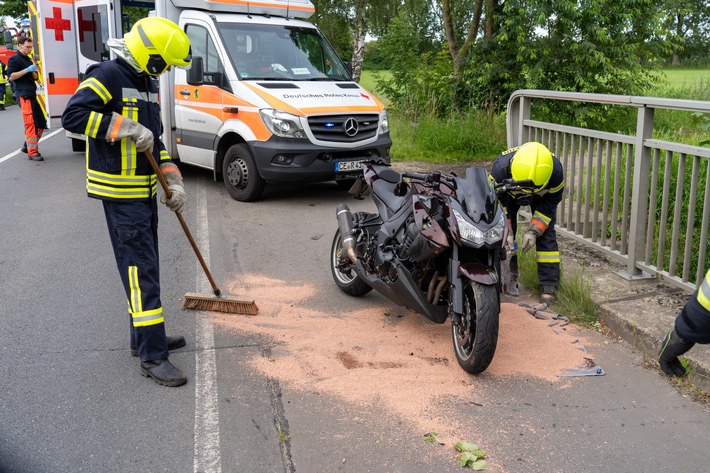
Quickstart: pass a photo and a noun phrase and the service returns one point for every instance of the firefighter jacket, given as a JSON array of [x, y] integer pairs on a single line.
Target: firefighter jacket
[[116, 171], [545, 201], [3, 73]]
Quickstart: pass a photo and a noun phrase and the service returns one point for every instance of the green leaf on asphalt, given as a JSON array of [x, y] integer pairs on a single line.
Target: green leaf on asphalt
[[479, 465], [433, 437], [467, 459], [465, 446], [479, 453]]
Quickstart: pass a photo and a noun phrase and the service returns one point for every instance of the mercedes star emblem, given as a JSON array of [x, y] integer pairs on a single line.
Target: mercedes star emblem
[[350, 126]]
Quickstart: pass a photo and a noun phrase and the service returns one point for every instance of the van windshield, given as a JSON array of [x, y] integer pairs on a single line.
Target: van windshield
[[276, 52]]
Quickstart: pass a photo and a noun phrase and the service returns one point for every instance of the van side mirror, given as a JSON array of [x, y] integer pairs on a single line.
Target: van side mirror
[[196, 73], [7, 37]]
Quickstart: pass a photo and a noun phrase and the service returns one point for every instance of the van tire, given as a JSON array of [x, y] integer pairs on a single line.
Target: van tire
[[77, 145], [241, 177]]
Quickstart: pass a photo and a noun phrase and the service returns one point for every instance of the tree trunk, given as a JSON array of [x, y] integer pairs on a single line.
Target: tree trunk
[[451, 35], [359, 40]]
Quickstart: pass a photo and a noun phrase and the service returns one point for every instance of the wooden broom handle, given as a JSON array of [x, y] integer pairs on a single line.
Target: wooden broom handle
[[169, 194]]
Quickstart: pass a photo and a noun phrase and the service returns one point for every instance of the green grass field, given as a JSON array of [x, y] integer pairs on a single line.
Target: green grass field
[[686, 77]]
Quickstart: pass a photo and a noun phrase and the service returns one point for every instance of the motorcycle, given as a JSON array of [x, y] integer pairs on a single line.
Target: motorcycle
[[434, 246]]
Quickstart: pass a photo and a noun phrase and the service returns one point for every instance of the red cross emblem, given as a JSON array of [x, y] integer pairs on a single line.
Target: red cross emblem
[[58, 24], [85, 26]]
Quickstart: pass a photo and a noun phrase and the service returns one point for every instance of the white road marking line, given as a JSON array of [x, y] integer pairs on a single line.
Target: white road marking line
[[207, 453], [8, 156]]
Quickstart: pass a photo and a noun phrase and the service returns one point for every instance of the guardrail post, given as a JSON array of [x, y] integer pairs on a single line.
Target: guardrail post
[[518, 112], [639, 193]]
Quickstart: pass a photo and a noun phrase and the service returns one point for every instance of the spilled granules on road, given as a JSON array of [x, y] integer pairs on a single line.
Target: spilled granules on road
[[387, 355]]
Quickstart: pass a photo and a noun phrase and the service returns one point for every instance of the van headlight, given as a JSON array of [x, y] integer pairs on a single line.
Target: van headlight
[[474, 236], [285, 125], [384, 123]]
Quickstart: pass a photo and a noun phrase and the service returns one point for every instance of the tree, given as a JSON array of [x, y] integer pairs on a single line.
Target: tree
[[688, 27], [16, 9]]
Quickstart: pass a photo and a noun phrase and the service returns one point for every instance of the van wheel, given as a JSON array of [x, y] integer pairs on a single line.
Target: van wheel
[[78, 145], [240, 175]]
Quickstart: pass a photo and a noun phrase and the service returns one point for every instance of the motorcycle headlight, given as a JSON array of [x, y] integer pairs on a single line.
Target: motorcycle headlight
[[472, 235], [282, 124]]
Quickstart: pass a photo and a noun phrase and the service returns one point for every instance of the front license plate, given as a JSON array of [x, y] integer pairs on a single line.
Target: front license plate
[[348, 166]]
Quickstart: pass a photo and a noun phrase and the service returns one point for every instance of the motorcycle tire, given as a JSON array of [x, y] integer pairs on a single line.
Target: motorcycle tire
[[476, 336], [343, 271]]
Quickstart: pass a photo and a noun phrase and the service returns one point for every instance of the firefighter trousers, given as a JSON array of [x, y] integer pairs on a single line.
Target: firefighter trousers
[[133, 228], [548, 253], [3, 86], [35, 123]]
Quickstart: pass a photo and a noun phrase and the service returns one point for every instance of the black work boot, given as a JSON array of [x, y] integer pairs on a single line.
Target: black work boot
[[174, 343], [672, 347], [24, 148], [163, 372], [547, 294]]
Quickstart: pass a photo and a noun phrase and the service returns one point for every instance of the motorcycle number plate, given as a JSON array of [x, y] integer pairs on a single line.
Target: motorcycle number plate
[[347, 166]]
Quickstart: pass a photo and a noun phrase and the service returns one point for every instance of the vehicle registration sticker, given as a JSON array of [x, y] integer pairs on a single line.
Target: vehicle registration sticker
[[346, 166]]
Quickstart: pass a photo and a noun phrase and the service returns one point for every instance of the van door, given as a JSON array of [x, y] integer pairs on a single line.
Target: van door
[[199, 107], [95, 26], [53, 28]]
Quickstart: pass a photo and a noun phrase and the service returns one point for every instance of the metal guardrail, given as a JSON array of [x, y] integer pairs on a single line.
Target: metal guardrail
[[640, 200]]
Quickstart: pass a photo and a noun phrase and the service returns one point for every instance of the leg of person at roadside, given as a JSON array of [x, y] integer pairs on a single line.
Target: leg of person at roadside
[[2, 96], [32, 133], [548, 262], [133, 228]]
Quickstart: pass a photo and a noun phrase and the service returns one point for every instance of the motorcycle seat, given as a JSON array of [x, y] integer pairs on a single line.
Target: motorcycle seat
[[386, 173], [385, 191]]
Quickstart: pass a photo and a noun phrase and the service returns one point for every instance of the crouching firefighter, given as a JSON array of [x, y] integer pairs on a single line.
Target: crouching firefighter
[[692, 326], [542, 183], [116, 107]]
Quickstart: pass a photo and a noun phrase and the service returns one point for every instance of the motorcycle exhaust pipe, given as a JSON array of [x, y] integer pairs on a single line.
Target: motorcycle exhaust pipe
[[345, 224]]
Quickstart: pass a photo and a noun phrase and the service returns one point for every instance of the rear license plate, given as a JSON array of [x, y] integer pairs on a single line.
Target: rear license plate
[[348, 166]]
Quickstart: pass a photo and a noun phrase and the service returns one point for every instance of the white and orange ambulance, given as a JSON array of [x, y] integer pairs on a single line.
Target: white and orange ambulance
[[266, 100]]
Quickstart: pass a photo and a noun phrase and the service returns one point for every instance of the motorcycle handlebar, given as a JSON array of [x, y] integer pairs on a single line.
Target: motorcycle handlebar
[[433, 179]]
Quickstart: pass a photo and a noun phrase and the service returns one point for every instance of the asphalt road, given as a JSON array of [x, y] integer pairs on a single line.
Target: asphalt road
[[72, 399]]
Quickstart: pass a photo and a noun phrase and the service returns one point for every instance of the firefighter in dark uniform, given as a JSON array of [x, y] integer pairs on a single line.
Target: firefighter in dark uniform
[[116, 107], [534, 163], [22, 73], [692, 326]]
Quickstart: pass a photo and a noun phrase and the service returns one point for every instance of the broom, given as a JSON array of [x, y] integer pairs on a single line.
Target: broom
[[193, 300]]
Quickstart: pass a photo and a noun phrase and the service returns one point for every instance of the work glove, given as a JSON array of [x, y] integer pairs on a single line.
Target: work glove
[[122, 127], [672, 347], [531, 234], [32, 68], [528, 241], [178, 198]]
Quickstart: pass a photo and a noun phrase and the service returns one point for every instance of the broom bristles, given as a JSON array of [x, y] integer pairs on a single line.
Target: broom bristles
[[208, 302]]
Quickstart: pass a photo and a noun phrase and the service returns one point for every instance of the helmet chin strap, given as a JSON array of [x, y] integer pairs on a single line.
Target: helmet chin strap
[[118, 46]]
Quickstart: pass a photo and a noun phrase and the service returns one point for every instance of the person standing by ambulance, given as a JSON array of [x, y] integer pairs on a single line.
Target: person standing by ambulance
[[3, 82], [116, 107], [22, 72]]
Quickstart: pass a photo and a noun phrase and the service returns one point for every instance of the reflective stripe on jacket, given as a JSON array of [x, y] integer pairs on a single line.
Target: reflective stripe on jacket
[[116, 171]]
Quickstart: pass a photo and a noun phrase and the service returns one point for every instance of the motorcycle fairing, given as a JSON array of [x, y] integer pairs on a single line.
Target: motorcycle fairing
[[473, 190]]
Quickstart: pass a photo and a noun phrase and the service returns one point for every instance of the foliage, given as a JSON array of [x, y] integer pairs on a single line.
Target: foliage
[[471, 137], [16, 9], [433, 437]]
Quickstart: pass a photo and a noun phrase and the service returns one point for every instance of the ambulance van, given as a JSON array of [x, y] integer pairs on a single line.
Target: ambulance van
[[267, 99]]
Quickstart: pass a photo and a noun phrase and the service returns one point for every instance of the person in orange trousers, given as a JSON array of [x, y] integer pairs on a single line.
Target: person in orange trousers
[[22, 72]]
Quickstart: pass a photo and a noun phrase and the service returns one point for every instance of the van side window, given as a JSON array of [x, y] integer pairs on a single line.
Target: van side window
[[92, 25], [204, 47]]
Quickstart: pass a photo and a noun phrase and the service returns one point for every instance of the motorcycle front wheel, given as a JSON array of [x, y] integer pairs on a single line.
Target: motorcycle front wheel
[[476, 336], [343, 270]]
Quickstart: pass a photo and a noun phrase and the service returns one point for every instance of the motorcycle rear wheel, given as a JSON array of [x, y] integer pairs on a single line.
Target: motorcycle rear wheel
[[476, 336], [343, 270]]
